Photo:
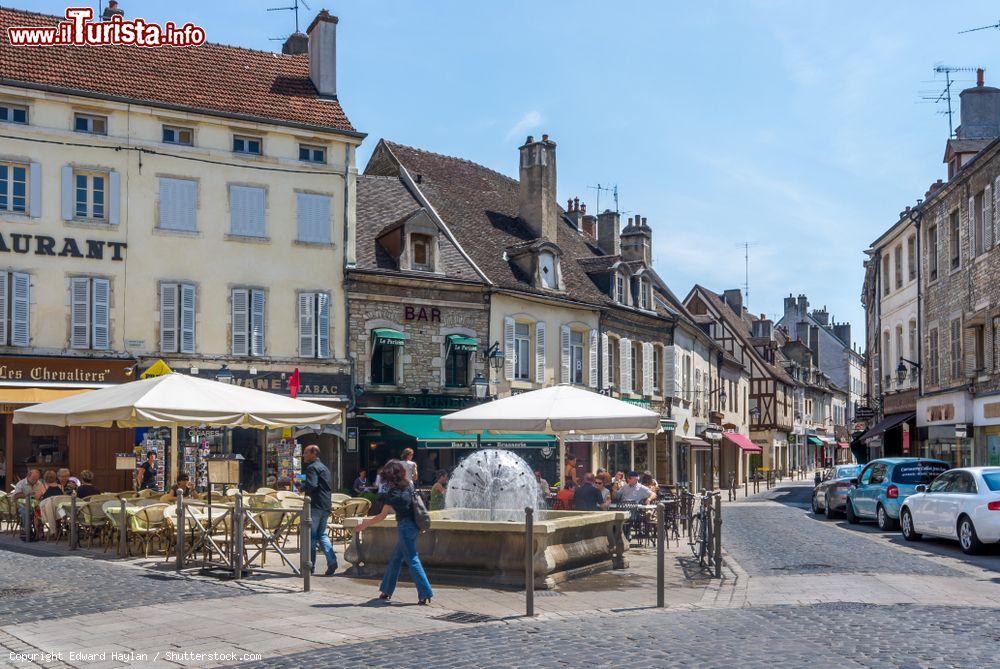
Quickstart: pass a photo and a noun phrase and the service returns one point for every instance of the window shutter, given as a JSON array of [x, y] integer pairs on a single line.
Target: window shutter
[[178, 204], [307, 325], [969, 351], [101, 293], [114, 197], [508, 348], [246, 211], [20, 332], [35, 190], [647, 368], [540, 352], [995, 222], [313, 214], [625, 346], [987, 215], [973, 233], [4, 308], [670, 371], [593, 359], [168, 317], [67, 193], [605, 361], [79, 313], [188, 308], [241, 321], [564, 362], [322, 325], [257, 322]]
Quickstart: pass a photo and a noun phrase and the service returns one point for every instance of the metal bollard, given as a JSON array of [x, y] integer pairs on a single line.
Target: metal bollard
[[661, 539], [181, 548], [717, 534], [238, 536], [73, 529], [305, 540], [122, 531], [529, 561]]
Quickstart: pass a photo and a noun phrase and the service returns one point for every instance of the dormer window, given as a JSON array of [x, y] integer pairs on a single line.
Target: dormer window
[[547, 270], [619, 288], [640, 292], [421, 254]]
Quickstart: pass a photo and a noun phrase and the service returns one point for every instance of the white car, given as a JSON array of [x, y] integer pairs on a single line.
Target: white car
[[961, 504]]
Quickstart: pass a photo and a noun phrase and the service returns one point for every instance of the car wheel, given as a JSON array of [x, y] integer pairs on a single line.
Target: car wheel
[[816, 510], [967, 537], [852, 517], [906, 524], [885, 521], [830, 512]]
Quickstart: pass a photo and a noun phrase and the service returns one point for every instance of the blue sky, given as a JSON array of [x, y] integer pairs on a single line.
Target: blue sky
[[794, 125]]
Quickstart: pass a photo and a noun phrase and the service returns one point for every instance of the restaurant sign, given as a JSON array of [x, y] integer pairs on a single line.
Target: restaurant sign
[[645, 404], [486, 443], [418, 401], [68, 247], [74, 372]]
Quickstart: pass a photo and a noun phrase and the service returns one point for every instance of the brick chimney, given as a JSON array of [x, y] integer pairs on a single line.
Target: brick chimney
[[537, 198], [322, 34], [574, 213], [608, 232], [296, 44], [637, 241], [588, 224]]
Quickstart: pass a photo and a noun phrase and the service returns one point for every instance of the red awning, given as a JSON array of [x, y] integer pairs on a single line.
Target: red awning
[[743, 442], [843, 444]]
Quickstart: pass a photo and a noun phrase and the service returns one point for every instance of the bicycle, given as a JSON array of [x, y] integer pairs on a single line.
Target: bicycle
[[700, 533]]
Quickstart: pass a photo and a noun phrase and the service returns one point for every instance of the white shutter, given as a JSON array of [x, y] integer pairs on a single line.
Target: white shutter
[[100, 314], [605, 361], [246, 211], [35, 190], [987, 215], [188, 309], [564, 357], [508, 348], [670, 371], [593, 359], [322, 325], [168, 317], [540, 352], [178, 204], [307, 325], [973, 233], [114, 197], [257, 322], [647, 368], [67, 193], [697, 392], [625, 346], [4, 307], [995, 223], [20, 294], [241, 321], [79, 312], [313, 214]]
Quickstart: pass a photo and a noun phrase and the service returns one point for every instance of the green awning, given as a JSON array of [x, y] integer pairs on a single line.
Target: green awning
[[816, 441], [426, 429], [388, 337], [462, 344]]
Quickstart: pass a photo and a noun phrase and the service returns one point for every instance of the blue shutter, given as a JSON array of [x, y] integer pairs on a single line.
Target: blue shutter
[[241, 321], [100, 315], [257, 322], [322, 325], [168, 317], [114, 197], [187, 312], [68, 194], [35, 190]]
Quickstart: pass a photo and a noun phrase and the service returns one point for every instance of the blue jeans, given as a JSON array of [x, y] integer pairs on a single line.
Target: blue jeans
[[319, 535], [406, 549]]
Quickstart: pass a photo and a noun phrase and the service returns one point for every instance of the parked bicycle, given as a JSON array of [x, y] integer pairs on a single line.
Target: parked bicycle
[[701, 533]]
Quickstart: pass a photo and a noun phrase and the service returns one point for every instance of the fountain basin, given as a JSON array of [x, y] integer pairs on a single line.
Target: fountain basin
[[461, 547]]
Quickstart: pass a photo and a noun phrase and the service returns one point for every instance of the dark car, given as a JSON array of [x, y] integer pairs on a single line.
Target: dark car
[[830, 496]]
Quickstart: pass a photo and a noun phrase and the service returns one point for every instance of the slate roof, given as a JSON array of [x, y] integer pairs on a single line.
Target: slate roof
[[211, 78]]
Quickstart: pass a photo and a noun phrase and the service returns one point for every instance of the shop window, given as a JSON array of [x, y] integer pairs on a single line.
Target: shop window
[[13, 113], [15, 288], [456, 370], [932, 253], [421, 253], [89, 123], [953, 240], [90, 300], [178, 205], [177, 317], [173, 134], [14, 187], [384, 362], [247, 211], [90, 195], [312, 154], [247, 145], [576, 356], [314, 325], [248, 321], [522, 351], [313, 218]]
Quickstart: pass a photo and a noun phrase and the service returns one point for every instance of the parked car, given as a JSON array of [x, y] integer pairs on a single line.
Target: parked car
[[884, 484], [961, 504], [830, 496]]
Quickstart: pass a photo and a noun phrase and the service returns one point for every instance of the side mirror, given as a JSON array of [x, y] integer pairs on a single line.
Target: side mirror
[[921, 488]]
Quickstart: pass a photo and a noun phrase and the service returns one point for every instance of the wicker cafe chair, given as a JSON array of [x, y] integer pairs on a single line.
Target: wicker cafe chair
[[148, 525], [92, 521], [8, 513], [335, 526], [339, 497], [112, 509], [271, 521], [356, 507]]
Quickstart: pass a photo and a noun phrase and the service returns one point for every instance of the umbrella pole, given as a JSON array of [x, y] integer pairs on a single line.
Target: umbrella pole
[[173, 457], [562, 461]]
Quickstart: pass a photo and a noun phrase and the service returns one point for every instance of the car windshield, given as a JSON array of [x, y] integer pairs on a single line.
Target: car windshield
[[917, 472], [847, 472], [992, 480]]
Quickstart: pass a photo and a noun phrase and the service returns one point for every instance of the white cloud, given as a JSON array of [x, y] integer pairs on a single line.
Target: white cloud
[[530, 120]]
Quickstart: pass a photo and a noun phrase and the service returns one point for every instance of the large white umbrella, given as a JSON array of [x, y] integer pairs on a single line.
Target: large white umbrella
[[177, 400], [561, 410]]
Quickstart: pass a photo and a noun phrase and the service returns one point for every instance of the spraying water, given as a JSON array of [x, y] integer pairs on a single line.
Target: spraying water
[[492, 485]]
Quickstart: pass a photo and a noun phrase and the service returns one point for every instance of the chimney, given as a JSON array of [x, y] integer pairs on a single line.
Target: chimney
[[537, 198], [789, 306], [814, 343], [637, 241], [803, 307], [322, 34], [842, 331], [763, 328], [734, 298], [574, 213], [588, 224], [821, 316], [980, 111], [608, 232], [296, 44]]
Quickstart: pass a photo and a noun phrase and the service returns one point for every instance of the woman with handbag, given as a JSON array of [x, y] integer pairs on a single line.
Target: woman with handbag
[[401, 497]]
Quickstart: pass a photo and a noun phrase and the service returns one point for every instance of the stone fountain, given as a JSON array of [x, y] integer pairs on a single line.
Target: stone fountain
[[480, 535]]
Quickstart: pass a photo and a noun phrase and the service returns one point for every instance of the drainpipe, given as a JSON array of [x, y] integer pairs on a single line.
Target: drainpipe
[[347, 306]]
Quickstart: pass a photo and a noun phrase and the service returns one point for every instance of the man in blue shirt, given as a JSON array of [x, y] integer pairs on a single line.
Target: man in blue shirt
[[317, 485]]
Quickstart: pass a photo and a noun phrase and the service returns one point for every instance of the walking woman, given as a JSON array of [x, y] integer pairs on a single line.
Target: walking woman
[[399, 497]]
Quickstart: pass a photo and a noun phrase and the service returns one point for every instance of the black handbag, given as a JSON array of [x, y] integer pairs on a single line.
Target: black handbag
[[420, 515]]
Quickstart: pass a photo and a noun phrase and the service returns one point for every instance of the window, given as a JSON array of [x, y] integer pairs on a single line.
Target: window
[[614, 363], [576, 357], [90, 300], [619, 288], [547, 270], [95, 125], [314, 325], [657, 369], [886, 359], [247, 145], [979, 341], [932, 252], [313, 217], [934, 357], [456, 368], [246, 211], [13, 113], [911, 257], [898, 262], [173, 134], [953, 240], [178, 204], [899, 348], [15, 298], [635, 365], [90, 195], [956, 348], [312, 154], [248, 320], [384, 364], [522, 351], [643, 294], [996, 343], [177, 317], [977, 223], [886, 276], [420, 253], [14, 187]]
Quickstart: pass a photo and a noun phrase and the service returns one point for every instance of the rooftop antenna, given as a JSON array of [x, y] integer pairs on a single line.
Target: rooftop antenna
[[945, 95], [294, 7], [972, 30], [606, 189], [746, 269]]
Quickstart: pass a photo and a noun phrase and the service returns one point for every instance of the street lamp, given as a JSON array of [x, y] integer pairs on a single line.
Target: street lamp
[[480, 386], [901, 369], [224, 375], [494, 355]]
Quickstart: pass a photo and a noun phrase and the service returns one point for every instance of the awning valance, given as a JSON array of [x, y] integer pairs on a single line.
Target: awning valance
[[36, 395], [696, 444], [887, 423], [426, 429], [816, 441], [843, 444], [388, 337], [742, 441], [462, 344]]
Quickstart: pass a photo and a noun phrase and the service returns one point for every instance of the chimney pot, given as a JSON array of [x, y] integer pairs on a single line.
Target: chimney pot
[[529, 140], [545, 138], [644, 221], [583, 208], [569, 205], [979, 77]]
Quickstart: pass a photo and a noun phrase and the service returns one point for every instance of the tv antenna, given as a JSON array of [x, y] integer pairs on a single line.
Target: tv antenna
[[294, 7], [606, 189], [945, 95], [746, 271], [972, 30]]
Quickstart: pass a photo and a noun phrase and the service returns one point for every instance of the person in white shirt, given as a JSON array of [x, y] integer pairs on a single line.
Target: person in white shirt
[[634, 492]]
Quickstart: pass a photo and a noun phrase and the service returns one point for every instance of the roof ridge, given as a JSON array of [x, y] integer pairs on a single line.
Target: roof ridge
[[447, 157]]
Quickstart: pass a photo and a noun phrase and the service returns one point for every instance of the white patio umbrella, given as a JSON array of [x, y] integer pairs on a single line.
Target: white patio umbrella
[[560, 410], [177, 400]]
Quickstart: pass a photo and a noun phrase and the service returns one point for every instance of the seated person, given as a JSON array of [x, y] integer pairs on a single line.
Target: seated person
[[52, 487], [587, 496], [360, 483], [564, 498], [439, 490], [87, 487], [183, 483], [634, 492]]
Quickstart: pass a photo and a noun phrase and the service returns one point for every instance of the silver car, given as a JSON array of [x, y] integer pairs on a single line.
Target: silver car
[[830, 496]]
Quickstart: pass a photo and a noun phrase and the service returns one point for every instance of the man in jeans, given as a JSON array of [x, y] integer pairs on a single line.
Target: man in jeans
[[317, 486]]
